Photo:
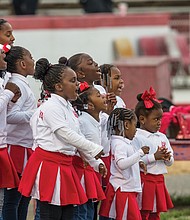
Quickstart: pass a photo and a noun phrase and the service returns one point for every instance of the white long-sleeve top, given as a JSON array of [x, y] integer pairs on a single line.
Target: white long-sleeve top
[[5, 97], [125, 171], [19, 131], [153, 140], [55, 128], [91, 129]]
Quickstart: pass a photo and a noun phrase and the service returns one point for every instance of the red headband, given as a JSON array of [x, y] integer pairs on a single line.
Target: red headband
[[5, 47], [83, 86], [147, 97]]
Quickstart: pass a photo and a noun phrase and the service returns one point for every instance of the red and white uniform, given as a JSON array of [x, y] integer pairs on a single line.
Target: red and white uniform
[[19, 132], [155, 196], [91, 129], [121, 203], [57, 134], [8, 177]]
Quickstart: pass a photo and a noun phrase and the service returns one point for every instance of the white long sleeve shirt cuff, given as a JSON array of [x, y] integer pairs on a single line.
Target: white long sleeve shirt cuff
[[5, 97], [148, 158], [95, 164], [125, 163], [87, 148], [170, 162]]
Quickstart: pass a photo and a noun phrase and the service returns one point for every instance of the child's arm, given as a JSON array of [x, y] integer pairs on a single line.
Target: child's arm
[[89, 149], [126, 162]]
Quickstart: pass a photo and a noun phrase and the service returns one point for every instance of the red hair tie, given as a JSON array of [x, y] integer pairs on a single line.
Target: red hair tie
[[83, 86], [5, 47], [147, 97]]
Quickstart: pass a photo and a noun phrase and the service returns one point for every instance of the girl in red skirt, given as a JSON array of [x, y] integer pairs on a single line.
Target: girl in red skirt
[[49, 175], [154, 198], [19, 133], [90, 103], [8, 92], [124, 183], [113, 83]]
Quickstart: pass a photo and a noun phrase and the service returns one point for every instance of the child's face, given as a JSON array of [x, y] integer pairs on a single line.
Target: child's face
[[90, 70], [68, 87], [6, 34], [29, 63], [99, 101], [130, 128], [152, 122], [117, 82], [3, 64]]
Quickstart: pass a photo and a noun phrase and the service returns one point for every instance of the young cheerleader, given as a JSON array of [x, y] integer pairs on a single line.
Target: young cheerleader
[[124, 183], [112, 82], [90, 103], [8, 91], [57, 135], [154, 198], [19, 133]]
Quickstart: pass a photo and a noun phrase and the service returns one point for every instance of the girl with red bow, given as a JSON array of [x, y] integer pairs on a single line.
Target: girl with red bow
[[155, 197], [90, 103]]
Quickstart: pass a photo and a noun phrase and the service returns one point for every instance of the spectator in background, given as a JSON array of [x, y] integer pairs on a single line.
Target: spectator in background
[[97, 6], [25, 7]]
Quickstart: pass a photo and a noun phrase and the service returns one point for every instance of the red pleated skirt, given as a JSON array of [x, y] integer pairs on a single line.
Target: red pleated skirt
[[120, 205], [89, 179], [51, 177], [19, 156], [155, 196], [8, 175]]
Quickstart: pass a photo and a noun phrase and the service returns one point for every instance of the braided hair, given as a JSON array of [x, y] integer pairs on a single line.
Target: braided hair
[[141, 109], [15, 54], [106, 75], [49, 74], [116, 120]]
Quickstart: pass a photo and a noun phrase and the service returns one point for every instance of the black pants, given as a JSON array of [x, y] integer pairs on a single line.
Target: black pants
[[25, 7], [54, 212]]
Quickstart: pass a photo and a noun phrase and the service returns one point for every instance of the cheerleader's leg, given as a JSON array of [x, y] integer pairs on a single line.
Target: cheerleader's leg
[[1, 203], [145, 214], [154, 216]]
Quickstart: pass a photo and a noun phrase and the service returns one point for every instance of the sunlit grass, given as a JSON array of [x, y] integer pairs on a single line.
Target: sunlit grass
[[181, 210]]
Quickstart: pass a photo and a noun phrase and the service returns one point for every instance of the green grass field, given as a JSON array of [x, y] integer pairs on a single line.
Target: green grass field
[[177, 214], [181, 210]]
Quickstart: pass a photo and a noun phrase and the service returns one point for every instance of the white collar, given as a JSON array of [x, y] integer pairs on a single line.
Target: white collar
[[21, 77]]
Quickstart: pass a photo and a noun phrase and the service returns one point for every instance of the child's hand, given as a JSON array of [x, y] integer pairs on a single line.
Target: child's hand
[[103, 170], [101, 153], [145, 149], [111, 102], [143, 166], [161, 153], [167, 156], [15, 89]]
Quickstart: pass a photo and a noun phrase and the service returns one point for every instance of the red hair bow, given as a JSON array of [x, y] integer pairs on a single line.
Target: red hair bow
[[147, 97], [83, 86], [5, 47]]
